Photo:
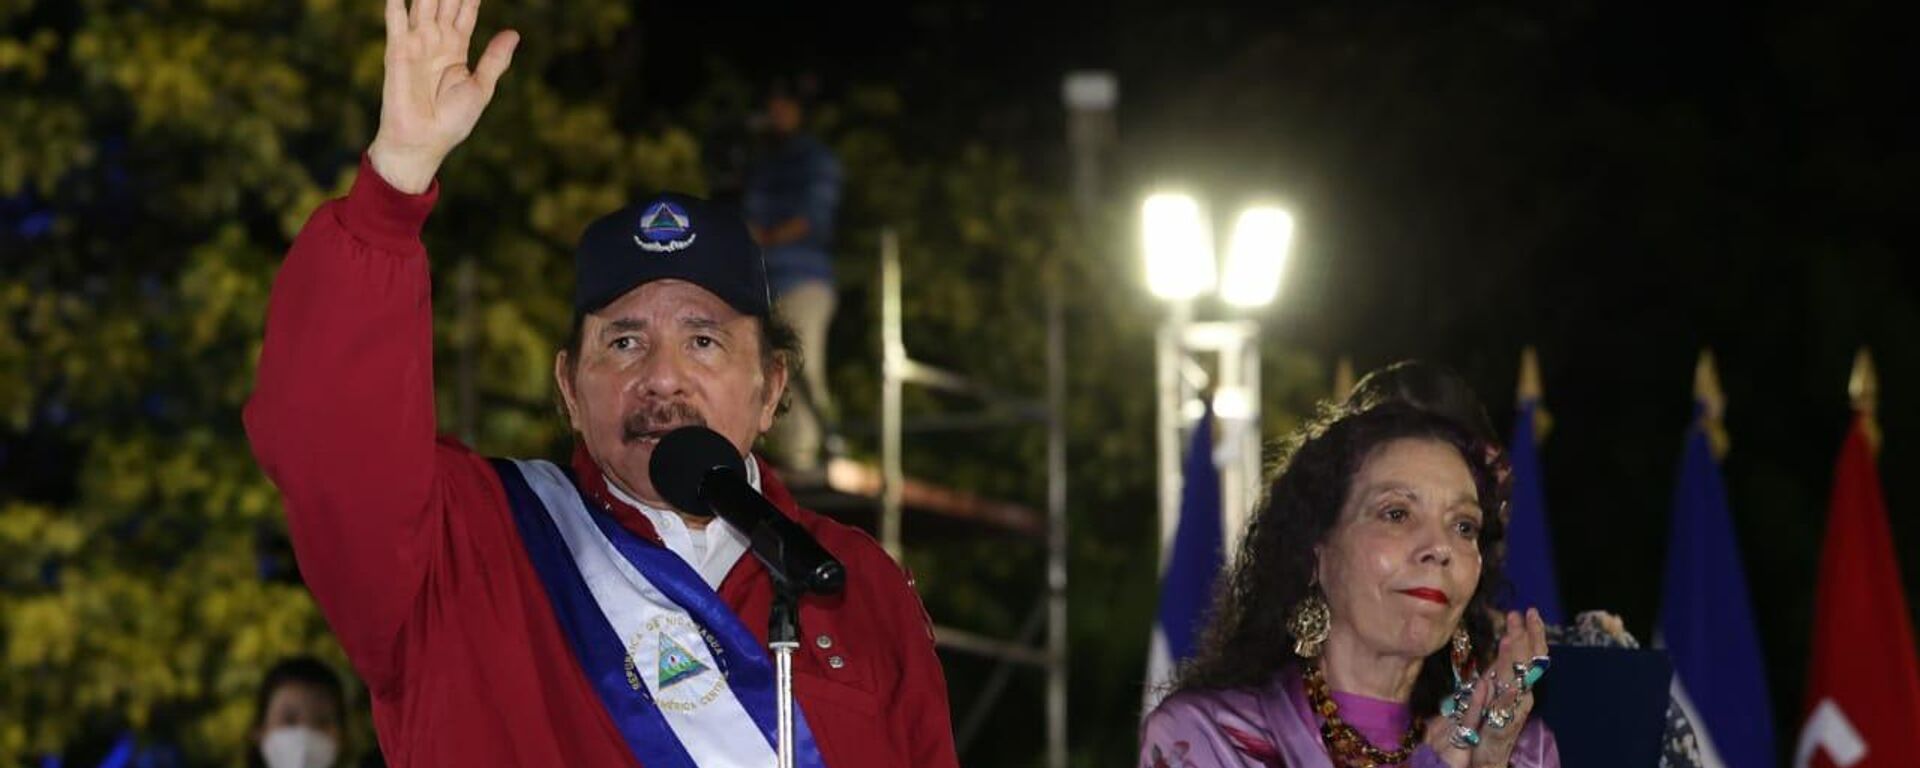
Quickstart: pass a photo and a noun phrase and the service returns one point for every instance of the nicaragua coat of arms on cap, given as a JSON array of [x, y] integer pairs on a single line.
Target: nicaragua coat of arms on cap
[[664, 228]]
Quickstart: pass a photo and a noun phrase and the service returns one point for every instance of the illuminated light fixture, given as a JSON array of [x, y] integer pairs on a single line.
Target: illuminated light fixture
[[1178, 246], [1257, 256], [1232, 403]]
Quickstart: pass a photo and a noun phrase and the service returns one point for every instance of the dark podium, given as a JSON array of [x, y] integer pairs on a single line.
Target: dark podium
[[1607, 706]]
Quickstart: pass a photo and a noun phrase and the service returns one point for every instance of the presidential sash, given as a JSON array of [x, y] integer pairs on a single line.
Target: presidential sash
[[683, 679]]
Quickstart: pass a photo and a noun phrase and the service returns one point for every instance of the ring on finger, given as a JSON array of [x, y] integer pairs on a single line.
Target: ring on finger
[[1527, 673], [1463, 737], [1499, 719]]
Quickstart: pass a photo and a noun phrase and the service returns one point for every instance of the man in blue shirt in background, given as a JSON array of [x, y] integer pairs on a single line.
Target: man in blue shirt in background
[[792, 194]]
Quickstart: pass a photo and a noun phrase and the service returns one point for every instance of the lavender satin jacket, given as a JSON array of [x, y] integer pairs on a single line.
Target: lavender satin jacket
[[1275, 728]]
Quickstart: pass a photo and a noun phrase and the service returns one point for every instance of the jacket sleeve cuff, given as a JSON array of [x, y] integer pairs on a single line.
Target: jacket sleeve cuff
[[382, 216]]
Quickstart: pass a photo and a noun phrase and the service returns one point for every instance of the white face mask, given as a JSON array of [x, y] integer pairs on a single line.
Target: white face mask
[[298, 747]]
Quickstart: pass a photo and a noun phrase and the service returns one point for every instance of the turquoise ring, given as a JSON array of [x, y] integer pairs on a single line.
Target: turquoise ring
[[1529, 672]]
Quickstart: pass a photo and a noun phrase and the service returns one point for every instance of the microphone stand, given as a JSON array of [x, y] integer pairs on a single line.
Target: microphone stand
[[769, 545], [783, 637], [783, 634]]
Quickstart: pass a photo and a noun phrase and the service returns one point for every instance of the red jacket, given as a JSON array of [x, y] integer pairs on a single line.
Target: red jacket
[[410, 549]]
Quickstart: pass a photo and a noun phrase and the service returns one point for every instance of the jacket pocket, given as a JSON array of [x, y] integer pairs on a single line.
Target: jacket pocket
[[847, 723]]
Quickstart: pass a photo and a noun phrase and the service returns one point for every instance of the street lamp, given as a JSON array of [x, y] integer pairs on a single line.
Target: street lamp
[[1256, 256], [1181, 266], [1178, 245]]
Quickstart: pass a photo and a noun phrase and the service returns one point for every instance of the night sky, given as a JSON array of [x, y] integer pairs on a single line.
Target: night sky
[[1618, 185]]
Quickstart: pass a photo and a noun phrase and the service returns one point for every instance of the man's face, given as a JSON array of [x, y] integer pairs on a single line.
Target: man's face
[[664, 355]]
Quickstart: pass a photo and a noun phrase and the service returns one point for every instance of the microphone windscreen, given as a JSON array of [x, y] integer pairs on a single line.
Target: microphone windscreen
[[681, 461]]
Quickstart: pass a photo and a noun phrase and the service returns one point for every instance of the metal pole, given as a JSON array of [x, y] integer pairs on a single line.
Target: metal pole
[[1170, 357], [982, 708], [893, 371], [1252, 464], [1239, 353], [783, 677], [1056, 531], [1090, 96], [1233, 428]]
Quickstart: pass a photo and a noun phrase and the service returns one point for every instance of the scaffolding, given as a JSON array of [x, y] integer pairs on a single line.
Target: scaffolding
[[1184, 386], [888, 492], [1002, 409]]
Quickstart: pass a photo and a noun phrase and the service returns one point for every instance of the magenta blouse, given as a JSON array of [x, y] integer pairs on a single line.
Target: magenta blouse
[[1274, 728]]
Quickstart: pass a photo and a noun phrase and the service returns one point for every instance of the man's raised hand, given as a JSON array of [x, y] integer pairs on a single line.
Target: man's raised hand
[[431, 99]]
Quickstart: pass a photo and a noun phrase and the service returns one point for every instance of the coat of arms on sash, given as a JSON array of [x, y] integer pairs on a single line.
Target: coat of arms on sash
[[665, 661]]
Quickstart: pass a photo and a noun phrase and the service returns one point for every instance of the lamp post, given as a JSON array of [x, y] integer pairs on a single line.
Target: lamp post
[[1181, 267]]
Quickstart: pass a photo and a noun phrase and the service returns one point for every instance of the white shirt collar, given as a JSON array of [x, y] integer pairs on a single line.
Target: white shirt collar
[[712, 551]]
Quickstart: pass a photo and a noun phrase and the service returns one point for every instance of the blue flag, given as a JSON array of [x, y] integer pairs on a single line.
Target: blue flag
[[122, 754], [1186, 589], [1706, 619], [1529, 542]]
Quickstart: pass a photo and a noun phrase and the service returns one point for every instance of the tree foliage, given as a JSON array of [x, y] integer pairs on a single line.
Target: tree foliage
[[156, 159]]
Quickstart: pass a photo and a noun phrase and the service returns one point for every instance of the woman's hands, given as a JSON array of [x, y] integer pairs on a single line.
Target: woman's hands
[[1489, 725]]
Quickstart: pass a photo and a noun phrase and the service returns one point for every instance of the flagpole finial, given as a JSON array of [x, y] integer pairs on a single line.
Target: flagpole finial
[[1530, 389], [1343, 379], [1713, 402], [1863, 388]]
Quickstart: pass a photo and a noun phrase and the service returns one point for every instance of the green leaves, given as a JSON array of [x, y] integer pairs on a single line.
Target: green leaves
[[178, 146]]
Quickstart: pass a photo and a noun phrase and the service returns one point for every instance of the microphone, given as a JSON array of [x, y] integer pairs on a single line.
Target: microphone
[[701, 473]]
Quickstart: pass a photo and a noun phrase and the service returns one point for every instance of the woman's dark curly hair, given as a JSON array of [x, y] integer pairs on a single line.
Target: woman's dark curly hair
[[1430, 387], [1246, 641]]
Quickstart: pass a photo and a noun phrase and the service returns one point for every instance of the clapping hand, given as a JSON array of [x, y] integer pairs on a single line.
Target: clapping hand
[[1482, 734]]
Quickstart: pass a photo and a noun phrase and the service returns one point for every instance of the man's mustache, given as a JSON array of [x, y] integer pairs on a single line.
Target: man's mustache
[[658, 419]]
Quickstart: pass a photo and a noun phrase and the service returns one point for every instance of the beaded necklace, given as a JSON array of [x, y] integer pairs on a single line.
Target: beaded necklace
[[1347, 747]]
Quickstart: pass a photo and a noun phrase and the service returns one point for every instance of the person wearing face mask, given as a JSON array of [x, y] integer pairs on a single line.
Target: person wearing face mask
[[300, 717]]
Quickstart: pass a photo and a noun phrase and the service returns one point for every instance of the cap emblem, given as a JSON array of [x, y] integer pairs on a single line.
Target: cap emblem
[[664, 228]]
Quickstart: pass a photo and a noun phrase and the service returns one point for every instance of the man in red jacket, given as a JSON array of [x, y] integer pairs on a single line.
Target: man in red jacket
[[527, 613]]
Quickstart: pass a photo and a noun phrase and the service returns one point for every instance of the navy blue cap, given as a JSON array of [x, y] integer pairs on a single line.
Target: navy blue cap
[[670, 236]]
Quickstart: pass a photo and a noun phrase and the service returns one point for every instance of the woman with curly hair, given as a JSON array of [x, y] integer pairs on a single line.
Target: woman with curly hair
[[1439, 390], [1368, 552]]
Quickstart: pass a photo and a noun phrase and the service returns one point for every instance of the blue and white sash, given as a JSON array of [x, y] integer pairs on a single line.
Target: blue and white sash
[[684, 680]]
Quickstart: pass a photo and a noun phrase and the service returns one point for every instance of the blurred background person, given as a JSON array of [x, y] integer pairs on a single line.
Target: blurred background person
[[300, 720], [791, 197]]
